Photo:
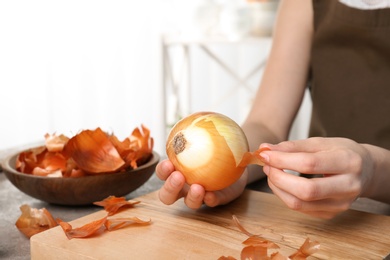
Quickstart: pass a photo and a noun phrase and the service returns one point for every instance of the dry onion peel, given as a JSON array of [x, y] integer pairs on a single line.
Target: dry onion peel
[[33, 221], [308, 248], [257, 247], [87, 230], [118, 223], [93, 152], [112, 204], [210, 149], [99, 226], [89, 152], [55, 143]]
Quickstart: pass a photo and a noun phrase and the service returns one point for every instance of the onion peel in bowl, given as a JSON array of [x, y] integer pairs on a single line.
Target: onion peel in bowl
[[28, 160], [143, 145], [89, 152], [55, 143], [137, 148], [93, 152]]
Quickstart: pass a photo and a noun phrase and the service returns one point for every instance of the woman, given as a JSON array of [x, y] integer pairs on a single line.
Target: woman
[[342, 54]]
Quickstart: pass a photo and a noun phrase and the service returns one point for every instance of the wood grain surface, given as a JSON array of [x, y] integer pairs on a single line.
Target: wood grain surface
[[177, 232]]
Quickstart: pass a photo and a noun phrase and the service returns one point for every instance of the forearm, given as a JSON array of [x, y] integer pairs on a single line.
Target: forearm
[[284, 80], [377, 187]]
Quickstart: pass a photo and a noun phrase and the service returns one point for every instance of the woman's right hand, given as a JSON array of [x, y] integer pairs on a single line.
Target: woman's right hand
[[175, 188]]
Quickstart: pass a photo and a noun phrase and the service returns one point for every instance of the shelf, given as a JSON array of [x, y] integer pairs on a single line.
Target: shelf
[[177, 82]]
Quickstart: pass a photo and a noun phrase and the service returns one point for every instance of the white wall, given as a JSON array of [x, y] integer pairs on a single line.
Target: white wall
[[72, 65], [81, 64], [214, 89]]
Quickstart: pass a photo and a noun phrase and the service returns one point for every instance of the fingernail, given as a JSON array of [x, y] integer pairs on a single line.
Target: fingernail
[[264, 157], [266, 146]]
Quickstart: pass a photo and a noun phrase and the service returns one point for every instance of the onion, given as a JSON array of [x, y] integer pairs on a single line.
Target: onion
[[210, 149]]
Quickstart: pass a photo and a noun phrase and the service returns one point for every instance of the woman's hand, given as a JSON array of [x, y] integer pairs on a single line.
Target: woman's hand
[[194, 195], [346, 166]]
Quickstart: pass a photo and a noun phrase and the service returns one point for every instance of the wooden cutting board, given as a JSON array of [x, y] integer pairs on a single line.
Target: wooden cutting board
[[177, 232]]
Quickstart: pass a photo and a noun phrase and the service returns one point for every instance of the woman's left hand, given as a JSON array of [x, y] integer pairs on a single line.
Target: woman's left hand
[[345, 168]]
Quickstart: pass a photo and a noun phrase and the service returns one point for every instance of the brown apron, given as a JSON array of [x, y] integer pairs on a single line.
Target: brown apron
[[350, 73]]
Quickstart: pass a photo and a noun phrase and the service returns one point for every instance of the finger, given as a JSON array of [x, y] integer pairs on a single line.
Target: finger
[[226, 195], [222, 197], [313, 144], [212, 198], [164, 169], [332, 187], [173, 189], [195, 195], [326, 209], [323, 162]]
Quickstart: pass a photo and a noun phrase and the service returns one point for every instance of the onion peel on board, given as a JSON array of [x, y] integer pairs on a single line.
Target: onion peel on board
[[117, 223], [89, 152], [256, 247], [112, 204], [33, 221], [308, 248], [97, 227], [89, 229]]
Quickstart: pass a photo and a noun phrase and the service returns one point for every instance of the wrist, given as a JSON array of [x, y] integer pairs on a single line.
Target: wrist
[[377, 177]]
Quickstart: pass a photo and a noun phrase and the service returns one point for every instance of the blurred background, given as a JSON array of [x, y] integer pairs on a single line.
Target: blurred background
[[70, 65]]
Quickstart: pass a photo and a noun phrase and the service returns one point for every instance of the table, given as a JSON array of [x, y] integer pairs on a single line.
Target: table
[[13, 245], [177, 232]]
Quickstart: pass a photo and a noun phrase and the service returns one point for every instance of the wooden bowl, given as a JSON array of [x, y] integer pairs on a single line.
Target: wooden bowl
[[82, 190]]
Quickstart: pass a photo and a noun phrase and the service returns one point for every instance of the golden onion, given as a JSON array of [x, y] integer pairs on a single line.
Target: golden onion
[[209, 149]]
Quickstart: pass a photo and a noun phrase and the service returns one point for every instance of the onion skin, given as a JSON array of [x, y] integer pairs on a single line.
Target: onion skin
[[93, 152], [208, 149]]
